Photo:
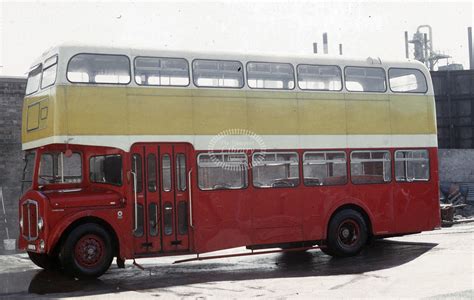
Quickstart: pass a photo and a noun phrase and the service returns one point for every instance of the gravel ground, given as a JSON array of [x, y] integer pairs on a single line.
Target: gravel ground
[[433, 265]]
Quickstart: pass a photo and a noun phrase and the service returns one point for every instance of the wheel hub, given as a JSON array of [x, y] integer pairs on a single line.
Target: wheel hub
[[349, 232], [89, 250]]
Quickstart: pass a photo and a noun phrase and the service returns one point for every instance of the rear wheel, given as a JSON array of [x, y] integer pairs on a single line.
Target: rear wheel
[[347, 234], [87, 252], [44, 261]]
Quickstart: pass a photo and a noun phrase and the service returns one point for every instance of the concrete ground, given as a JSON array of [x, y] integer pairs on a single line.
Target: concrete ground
[[433, 265]]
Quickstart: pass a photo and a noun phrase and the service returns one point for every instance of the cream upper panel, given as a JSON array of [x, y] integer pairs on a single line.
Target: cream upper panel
[[66, 52]]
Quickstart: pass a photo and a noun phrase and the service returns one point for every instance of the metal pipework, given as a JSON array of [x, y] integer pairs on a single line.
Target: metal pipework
[[469, 41], [407, 54], [325, 43]]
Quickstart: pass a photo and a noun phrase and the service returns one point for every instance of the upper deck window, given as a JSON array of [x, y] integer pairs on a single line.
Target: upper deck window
[[407, 80], [50, 68], [263, 75], [99, 68], [218, 73], [161, 71], [320, 78], [34, 78], [363, 79]]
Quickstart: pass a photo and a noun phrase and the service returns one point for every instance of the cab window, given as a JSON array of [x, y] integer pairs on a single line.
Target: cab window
[[106, 169], [56, 167]]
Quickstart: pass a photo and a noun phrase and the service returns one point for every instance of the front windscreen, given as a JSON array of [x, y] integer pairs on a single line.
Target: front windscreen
[[28, 169], [56, 167]]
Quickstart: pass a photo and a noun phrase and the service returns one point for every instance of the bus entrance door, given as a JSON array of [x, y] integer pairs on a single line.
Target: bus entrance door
[[160, 201]]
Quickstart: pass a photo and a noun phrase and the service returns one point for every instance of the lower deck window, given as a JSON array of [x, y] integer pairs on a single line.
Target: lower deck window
[[222, 171], [106, 169], [370, 167], [275, 169], [324, 168], [412, 165]]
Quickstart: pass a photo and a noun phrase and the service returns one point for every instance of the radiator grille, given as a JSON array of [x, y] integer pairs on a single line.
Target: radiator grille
[[29, 214]]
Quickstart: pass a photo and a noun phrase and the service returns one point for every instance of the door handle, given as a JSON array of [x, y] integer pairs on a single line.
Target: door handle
[[136, 199], [190, 196]]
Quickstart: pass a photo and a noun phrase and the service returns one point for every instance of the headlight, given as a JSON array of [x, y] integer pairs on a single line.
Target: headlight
[[40, 223]]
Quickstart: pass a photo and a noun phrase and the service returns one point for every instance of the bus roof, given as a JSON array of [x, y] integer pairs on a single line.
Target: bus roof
[[67, 50]]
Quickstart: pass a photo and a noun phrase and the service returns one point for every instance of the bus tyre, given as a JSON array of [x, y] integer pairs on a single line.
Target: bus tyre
[[87, 252], [44, 261], [347, 234]]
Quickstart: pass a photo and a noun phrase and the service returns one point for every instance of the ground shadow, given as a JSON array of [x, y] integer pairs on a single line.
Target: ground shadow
[[380, 255]]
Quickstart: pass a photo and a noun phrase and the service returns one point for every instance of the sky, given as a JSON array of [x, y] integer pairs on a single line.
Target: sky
[[365, 29]]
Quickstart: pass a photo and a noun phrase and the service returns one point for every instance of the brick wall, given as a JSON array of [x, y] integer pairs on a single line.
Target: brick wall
[[12, 91]]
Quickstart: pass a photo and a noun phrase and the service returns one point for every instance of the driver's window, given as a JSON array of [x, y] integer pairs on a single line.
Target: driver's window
[[56, 167]]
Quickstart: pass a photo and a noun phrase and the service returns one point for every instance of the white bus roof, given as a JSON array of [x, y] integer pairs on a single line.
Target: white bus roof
[[67, 50]]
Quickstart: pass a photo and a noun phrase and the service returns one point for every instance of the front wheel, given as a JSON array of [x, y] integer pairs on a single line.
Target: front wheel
[[347, 234], [44, 261], [87, 252]]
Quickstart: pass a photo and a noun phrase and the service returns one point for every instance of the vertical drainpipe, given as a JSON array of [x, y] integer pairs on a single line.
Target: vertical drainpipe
[[450, 118], [471, 55], [425, 46], [406, 45], [325, 43]]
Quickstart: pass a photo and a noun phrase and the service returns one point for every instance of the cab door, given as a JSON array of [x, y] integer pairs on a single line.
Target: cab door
[[161, 204]]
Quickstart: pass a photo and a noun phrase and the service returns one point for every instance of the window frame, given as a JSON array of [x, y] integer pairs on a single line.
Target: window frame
[[379, 160], [270, 62], [40, 65], [246, 171], [58, 152], [162, 177], [277, 152], [178, 172], [380, 92], [104, 155], [406, 160], [48, 67], [319, 90], [166, 86], [330, 151], [400, 68], [218, 87], [95, 83]]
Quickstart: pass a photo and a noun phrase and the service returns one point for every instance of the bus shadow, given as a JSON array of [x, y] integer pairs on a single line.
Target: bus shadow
[[380, 255]]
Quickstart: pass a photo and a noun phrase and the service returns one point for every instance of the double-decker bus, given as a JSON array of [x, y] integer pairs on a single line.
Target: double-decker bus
[[141, 153]]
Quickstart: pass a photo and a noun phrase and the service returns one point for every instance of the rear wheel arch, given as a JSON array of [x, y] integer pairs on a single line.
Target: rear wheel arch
[[357, 208]]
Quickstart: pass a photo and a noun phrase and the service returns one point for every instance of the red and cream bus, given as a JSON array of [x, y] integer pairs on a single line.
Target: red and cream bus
[[142, 153]]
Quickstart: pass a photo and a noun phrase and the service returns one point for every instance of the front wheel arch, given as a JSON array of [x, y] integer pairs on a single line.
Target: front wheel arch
[[87, 251], [85, 220]]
